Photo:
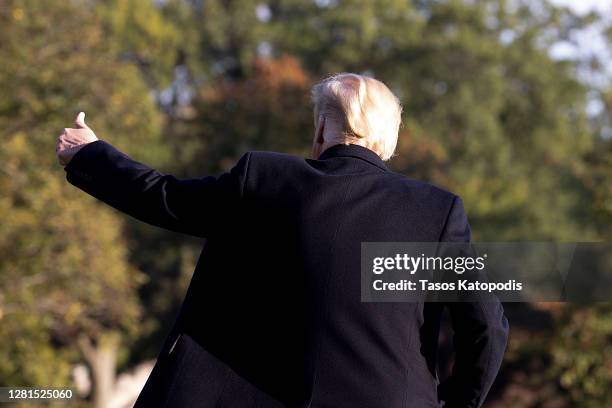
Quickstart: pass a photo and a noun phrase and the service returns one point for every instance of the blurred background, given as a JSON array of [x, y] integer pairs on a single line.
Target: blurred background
[[506, 102]]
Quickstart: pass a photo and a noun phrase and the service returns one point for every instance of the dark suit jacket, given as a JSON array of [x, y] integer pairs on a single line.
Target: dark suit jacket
[[273, 316]]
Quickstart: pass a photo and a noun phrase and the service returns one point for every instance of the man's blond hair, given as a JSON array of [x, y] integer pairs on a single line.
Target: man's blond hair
[[363, 109]]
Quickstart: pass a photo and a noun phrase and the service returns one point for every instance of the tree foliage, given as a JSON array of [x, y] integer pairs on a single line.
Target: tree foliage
[[487, 113], [65, 273]]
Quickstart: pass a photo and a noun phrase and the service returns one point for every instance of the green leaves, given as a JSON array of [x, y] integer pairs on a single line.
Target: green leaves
[[64, 269], [487, 113]]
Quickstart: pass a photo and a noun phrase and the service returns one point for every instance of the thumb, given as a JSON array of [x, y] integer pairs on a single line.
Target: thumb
[[80, 121]]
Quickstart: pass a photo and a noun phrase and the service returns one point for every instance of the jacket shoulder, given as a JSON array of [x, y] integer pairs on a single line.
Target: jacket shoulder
[[265, 161], [422, 186], [274, 156]]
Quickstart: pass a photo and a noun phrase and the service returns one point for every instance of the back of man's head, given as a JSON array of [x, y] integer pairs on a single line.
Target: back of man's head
[[358, 110]]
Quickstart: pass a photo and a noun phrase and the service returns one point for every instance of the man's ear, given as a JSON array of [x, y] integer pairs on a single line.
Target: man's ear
[[317, 141], [320, 130]]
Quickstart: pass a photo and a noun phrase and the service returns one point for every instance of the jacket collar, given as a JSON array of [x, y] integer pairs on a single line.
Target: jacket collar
[[353, 150]]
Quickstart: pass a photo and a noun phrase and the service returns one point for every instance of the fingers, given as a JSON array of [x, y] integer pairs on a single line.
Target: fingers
[[65, 151], [64, 141], [74, 137], [80, 121], [72, 140]]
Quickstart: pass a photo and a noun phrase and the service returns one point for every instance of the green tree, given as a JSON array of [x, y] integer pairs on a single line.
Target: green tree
[[68, 291], [581, 355]]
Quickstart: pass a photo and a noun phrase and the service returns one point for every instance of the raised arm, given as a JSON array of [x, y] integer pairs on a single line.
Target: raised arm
[[480, 334], [190, 206]]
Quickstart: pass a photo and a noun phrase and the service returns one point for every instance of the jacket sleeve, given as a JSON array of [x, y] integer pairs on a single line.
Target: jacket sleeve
[[189, 206], [480, 334]]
